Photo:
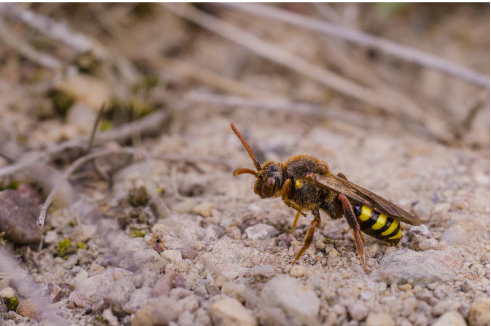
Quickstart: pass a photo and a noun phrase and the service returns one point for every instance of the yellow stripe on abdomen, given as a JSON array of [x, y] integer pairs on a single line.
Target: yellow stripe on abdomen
[[382, 219], [392, 228], [366, 213], [397, 236]]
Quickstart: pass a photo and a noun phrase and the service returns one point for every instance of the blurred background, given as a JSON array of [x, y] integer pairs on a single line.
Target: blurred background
[[385, 68]]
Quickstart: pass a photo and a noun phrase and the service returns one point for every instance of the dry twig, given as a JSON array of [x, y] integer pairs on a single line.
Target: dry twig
[[276, 105], [148, 124], [127, 150], [389, 104], [25, 49], [403, 52]]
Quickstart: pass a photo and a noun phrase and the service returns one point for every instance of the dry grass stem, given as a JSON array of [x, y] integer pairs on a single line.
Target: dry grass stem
[[329, 79], [397, 50]]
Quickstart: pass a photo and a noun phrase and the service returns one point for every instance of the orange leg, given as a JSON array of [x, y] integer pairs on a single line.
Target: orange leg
[[295, 222], [350, 217], [310, 235]]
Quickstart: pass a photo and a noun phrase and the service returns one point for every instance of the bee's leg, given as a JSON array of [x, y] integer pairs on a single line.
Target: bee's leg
[[295, 222], [310, 234], [285, 193], [350, 217]]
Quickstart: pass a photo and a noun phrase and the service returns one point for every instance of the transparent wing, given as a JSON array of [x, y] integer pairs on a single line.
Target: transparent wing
[[364, 197]]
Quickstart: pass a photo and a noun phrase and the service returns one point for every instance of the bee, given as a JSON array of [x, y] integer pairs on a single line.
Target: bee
[[305, 184]]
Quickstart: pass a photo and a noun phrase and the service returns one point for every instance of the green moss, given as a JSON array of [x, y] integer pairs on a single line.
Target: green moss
[[64, 249], [135, 233], [61, 101], [12, 304], [81, 245], [12, 185], [107, 125]]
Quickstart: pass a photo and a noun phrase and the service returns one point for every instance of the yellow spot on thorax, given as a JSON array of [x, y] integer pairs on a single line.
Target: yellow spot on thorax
[[366, 213], [382, 219], [397, 236], [298, 183], [392, 228]]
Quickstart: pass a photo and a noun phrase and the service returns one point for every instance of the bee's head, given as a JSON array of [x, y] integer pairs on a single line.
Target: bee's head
[[269, 176]]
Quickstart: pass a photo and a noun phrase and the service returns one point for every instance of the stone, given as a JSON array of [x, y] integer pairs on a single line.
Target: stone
[[79, 278], [204, 209], [357, 311], [137, 300], [54, 292], [96, 287], [479, 312], [297, 271], [234, 290], [186, 206], [451, 318], [441, 208], [82, 233], [120, 295], [423, 209], [212, 233], [7, 293], [262, 272], [420, 229], [172, 256], [428, 244], [230, 312], [297, 300], [379, 319], [163, 285], [156, 312], [455, 235], [110, 318], [424, 267], [19, 212], [146, 256], [261, 232], [28, 308]]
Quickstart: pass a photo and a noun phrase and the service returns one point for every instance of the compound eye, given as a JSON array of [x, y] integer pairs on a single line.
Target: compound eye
[[268, 187]]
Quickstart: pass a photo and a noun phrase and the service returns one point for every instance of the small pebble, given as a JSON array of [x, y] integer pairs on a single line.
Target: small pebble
[[405, 287], [293, 297], [163, 285], [173, 256], [152, 312], [7, 293], [479, 312], [204, 209], [423, 209], [28, 308], [261, 232], [429, 244], [379, 319], [230, 312], [357, 311], [54, 292], [441, 208], [19, 212], [297, 271], [451, 318], [334, 253], [455, 235]]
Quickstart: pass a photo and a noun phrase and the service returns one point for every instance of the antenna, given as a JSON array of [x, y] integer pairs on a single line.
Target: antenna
[[246, 145]]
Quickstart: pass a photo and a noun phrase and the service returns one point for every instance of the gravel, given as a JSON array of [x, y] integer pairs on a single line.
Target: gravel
[[230, 312], [295, 299]]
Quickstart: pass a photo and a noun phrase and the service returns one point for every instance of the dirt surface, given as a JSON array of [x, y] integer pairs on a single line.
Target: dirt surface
[[160, 232]]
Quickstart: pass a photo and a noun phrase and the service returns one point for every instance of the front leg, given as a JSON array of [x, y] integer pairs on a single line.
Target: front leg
[[310, 234], [353, 223], [285, 194]]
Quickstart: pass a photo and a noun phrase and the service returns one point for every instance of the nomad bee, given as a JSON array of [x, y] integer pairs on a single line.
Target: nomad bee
[[306, 184]]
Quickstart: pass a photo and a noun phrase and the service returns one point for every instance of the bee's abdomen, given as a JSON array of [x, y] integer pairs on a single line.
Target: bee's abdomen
[[377, 225]]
